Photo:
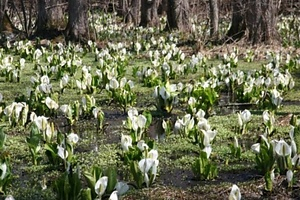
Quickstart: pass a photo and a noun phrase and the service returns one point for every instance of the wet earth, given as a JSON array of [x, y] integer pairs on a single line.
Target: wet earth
[[178, 183]]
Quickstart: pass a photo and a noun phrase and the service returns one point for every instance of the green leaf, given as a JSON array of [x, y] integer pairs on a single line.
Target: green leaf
[[2, 138], [92, 177], [148, 115], [137, 174], [268, 180], [85, 194], [74, 181], [112, 179]]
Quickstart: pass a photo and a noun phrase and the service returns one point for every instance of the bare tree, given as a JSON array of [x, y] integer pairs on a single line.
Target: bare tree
[[50, 17], [214, 18], [3, 7], [163, 7], [149, 15], [238, 23], [257, 18], [25, 12], [135, 11], [130, 11], [178, 14], [78, 28], [122, 8]]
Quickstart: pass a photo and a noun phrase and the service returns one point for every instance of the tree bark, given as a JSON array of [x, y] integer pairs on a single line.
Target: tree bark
[[50, 17], [130, 11], [149, 15], [178, 15], [238, 26], [77, 28], [257, 18], [163, 7], [122, 8], [261, 21], [3, 7], [135, 11], [214, 18]]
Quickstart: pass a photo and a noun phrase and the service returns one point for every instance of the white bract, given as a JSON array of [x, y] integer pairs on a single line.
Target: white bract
[[207, 149], [184, 125], [67, 111], [41, 122], [293, 143], [208, 136], [235, 193], [282, 148], [73, 138], [256, 148], [203, 124], [17, 112], [268, 117], [64, 81], [166, 96], [142, 145], [101, 185], [3, 168], [136, 123], [244, 117], [62, 152], [141, 121], [51, 104], [96, 112], [289, 176], [236, 142], [269, 121], [113, 196], [276, 98], [148, 163], [145, 165], [126, 142], [9, 197], [113, 83]]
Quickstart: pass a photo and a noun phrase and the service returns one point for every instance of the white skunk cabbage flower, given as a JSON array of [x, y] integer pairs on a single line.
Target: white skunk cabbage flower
[[3, 168], [51, 104], [41, 122], [142, 145], [244, 117], [73, 138], [126, 142], [289, 176], [235, 193], [282, 148], [113, 196], [62, 152], [101, 185]]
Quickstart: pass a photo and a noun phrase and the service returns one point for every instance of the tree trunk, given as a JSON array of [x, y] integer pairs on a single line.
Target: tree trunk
[[258, 18], [123, 8], [130, 11], [50, 17], [238, 26], [149, 15], [163, 7], [3, 7], [55, 14], [135, 11], [261, 21], [178, 15], [77, 28], [214, 18]]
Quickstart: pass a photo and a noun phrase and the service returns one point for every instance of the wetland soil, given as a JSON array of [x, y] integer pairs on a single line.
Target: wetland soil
[[178, 183]]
